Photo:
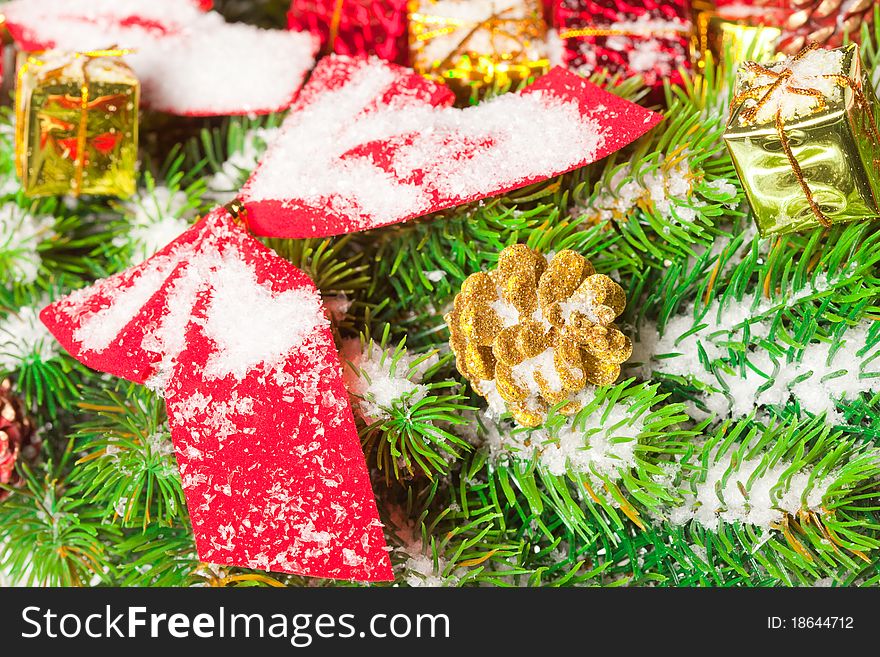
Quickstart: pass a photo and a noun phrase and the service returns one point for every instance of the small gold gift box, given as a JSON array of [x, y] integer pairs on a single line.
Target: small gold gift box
[[803, 137], [76, 124], [477, 45], [738, 33]]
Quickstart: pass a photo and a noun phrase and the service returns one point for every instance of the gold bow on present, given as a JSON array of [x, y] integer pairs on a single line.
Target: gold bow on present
[[61, 68], [775, 86], [464, 62]]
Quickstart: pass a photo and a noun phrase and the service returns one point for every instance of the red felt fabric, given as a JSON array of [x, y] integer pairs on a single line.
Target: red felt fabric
[[270, 459], [294, 217]]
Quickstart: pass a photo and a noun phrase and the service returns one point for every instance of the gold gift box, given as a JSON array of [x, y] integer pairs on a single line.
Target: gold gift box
[[737, 33], [473, 46], [76, 124], [819, 168]]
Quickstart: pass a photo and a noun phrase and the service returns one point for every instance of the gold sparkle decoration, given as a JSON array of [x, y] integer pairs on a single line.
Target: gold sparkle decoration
[[534, 333]]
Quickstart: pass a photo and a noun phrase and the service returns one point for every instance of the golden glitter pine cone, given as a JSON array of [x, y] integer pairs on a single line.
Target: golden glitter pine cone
[[821, 21], [17, 437], [538, 332]]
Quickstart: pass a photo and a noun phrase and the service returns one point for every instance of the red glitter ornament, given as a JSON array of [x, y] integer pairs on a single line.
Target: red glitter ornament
[[627, 37], [355, 27], [17, 437]]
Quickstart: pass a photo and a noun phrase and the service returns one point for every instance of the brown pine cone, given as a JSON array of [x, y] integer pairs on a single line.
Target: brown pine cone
[[535, 334], [821, 21], [17, 437]]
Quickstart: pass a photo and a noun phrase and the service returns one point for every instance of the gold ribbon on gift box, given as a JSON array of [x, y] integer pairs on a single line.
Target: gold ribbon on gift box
[[335, 21], [762, 94], [463, 63], [86, 103], [670, 32]]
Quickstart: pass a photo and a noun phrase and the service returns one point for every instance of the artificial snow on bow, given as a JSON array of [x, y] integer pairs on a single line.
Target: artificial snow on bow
[[369, 144], [189, 61], [237, 339]]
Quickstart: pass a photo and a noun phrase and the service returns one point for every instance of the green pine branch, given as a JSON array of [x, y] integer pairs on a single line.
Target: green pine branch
[[51, 536]]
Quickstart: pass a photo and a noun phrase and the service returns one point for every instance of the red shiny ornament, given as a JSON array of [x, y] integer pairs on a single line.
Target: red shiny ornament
[[18, 439], [355, 27], [650, 38]]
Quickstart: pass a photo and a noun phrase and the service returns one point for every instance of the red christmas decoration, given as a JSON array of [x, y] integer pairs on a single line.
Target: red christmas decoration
[[237, 339], [19, 440], [189, 61], [370, 144], [268, 451], [650, 38], [355, 27]]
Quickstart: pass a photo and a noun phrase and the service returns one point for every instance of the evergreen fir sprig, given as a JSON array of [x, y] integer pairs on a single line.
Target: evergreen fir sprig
[[339, 271], [51, 537], [128, 467], [469, 553], [228, 153], [332, 264], [158, 556], [711, 86], [9, 185], [162, 208], [756, 324], [473, 550], [23, 240], [794, 500], [870, 48], [407, 411], [665, 555], [600, 468], [667, 199], [45, 377], [550, 553], [42, 240], [423, 264]]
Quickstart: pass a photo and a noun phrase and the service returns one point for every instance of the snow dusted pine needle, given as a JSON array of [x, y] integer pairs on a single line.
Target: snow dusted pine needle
[[602, 444], [671, 189], [748, 492], [225, 184], [21, 235], [817, 376], [156, 217], [24, 338], [797, 483], [384, 377]]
